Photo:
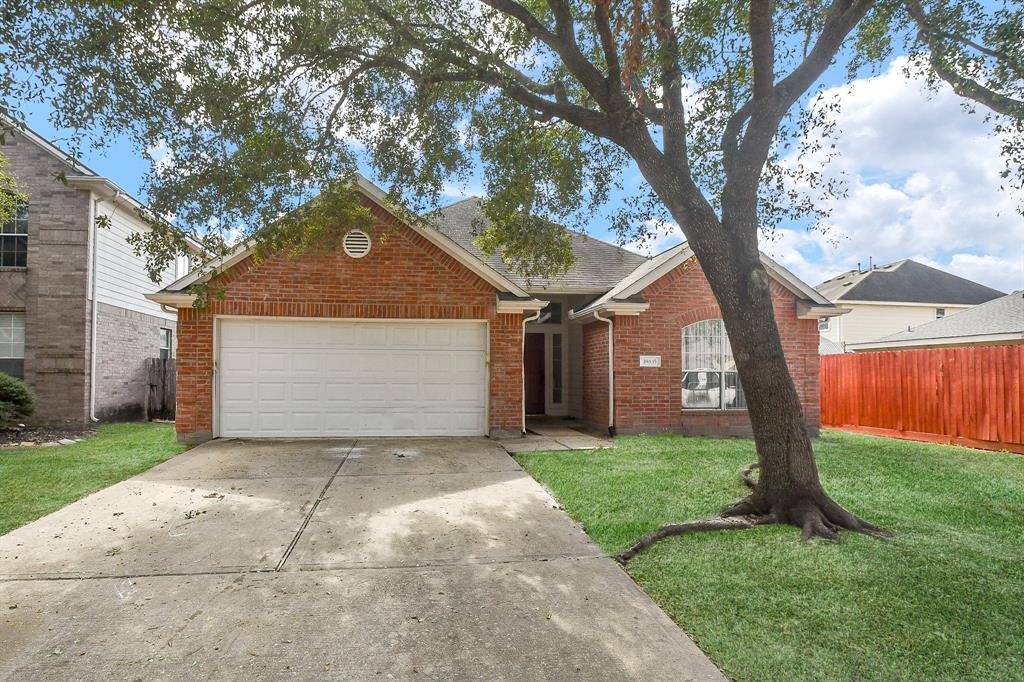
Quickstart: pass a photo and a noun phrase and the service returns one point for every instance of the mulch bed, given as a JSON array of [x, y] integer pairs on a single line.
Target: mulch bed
[[42, 434]]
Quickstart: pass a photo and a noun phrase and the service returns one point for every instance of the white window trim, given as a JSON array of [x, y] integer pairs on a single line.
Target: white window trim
[[170, 338], [726, 348]]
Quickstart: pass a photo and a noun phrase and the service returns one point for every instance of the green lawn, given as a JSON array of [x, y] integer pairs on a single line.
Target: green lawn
[[943, 600], [37, 481]]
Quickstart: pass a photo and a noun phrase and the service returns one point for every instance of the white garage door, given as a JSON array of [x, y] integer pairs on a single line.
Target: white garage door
[[294, 378]]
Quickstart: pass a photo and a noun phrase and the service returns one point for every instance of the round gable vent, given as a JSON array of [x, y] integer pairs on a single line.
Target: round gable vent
[[356, 243]]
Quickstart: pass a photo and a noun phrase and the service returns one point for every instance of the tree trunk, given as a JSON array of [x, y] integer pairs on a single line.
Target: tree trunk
[[788, 489]]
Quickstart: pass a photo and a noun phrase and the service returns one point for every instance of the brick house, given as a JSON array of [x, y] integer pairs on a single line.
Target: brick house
[[74, 320], [410, 331]]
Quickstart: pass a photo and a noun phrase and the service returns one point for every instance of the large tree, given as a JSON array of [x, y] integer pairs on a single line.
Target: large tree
[[262, 104]]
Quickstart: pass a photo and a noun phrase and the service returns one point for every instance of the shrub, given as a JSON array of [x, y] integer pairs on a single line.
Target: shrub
[[16, 399]]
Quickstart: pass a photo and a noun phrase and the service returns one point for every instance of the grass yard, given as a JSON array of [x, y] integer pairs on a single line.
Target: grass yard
[[37, 481], [943, 600]]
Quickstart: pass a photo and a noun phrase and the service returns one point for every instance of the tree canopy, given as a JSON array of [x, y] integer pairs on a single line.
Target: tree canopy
[[262, 104]]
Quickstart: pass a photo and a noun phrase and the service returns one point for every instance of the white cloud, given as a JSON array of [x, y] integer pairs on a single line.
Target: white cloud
[[458, 191], [161, 156], [661, 235], [923, 181]]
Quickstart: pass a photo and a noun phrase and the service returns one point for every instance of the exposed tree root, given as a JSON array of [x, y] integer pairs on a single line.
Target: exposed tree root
[[701, 526], [817, 517], [748, 475]]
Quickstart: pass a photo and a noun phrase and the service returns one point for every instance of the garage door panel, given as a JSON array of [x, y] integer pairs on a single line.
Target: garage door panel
[[307, 423], [237, 360], [471, 337], [272, 362], [272, 391], [239, 334], [307, 362], [237, 421], [274, 335], [405, 336], [370, 335], [307, 391], [338, 336], [300, 378]]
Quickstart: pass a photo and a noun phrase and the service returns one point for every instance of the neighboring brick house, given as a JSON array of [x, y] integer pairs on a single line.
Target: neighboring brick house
[[69, 286], [408, 331]]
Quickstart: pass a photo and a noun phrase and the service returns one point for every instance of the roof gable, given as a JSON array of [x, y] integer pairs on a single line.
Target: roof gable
[[599, 265], [654, 269], [906, 281], [177, 293]]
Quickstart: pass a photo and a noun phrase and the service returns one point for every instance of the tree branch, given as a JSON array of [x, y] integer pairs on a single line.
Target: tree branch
[[744, 155], [962, 85], [563, 44], [762, 48], [674, 131]]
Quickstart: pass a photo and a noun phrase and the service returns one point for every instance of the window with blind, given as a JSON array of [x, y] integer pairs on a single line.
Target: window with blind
[[12, 344], [710, 380]]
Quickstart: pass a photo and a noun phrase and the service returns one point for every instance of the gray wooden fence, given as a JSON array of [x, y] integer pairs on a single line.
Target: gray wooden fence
[[160, 394]]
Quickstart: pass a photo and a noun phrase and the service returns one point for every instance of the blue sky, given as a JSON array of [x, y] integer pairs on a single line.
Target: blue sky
[[922, 176]]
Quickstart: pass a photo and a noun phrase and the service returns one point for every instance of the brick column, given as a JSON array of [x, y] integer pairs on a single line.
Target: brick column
[[194, 388], [506, 374]]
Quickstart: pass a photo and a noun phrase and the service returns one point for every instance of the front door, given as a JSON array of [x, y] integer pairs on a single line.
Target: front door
[[533, 370]]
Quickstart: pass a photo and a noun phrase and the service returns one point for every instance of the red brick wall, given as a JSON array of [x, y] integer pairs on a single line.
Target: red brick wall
[[506, 390], [595, 375], [405, 276], [650, 399]]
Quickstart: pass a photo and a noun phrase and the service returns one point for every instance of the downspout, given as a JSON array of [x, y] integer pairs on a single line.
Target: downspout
[[93, 236], [522, 365], [611, 371]]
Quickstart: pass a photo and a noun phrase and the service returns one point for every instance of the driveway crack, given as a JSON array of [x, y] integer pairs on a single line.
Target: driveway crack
[[312, 509]]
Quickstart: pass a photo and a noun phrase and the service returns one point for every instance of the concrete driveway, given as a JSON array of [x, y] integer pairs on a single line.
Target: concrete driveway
[[369, 559]]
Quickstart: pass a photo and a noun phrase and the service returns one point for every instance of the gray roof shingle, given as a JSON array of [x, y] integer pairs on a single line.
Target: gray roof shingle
[[906, 281], [1003, 315], [599, 265]]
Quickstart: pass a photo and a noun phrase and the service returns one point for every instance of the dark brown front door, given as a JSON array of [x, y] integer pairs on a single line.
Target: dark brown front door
[[533, 368]]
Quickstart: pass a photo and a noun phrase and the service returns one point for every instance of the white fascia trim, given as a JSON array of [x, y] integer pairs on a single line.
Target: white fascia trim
[[843, 301], [241, 252], [172, 299], [376, 195], [810, 311], [108, 189], [616, 308], [644, 275], [440, 240], [936, 341], [794, 283], [529, 305]]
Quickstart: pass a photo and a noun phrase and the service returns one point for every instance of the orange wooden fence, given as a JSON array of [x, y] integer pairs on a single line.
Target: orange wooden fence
[[969, 396]]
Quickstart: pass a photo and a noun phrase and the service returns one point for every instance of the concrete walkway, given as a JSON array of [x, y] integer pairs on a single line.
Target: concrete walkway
[[548, 434], [371, 559]]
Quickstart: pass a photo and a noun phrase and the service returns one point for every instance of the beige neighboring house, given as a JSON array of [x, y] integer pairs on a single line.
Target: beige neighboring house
[[897, 297], [999, 322]]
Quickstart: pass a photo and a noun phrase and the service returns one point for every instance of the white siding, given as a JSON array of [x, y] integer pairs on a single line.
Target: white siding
[[872, 322], [121, 278]]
